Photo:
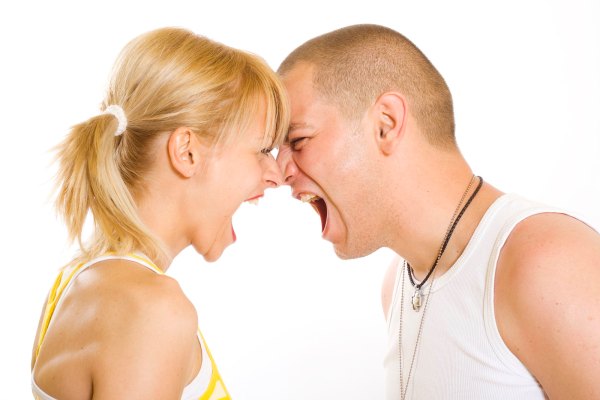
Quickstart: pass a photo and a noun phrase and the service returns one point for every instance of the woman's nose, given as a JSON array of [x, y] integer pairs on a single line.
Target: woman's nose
[[272, 175]]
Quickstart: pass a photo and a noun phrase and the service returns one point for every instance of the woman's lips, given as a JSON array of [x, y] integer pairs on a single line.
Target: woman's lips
[[254, 200]]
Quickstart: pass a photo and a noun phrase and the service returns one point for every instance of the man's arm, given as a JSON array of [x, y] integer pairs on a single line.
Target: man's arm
[[547, 302]]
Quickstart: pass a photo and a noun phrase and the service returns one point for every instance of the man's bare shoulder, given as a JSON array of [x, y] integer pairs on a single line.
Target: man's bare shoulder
[[545, 247], [547, 305]]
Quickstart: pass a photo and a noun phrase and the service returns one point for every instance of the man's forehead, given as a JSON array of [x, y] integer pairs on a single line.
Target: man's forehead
[[298, 125]]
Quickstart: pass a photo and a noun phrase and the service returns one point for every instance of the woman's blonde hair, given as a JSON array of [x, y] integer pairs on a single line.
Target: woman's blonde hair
[[164, 79]]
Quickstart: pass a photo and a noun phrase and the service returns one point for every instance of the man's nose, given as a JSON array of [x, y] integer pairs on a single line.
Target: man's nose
[[286, 164]]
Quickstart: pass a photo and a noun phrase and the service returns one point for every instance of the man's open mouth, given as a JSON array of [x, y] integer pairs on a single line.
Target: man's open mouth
[[318, 204]]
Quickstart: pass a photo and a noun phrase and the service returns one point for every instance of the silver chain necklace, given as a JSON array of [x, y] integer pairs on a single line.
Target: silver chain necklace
[[404, 389], [417, 296]]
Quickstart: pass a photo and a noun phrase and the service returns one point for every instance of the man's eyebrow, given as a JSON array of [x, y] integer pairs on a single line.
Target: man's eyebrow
[[295, 126]]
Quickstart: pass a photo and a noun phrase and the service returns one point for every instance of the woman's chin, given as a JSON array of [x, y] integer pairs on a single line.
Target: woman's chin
[[213, 254], [215, 251], [211, 258]]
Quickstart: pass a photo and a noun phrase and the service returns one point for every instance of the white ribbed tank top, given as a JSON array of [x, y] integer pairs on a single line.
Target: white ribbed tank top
[[461, 354]]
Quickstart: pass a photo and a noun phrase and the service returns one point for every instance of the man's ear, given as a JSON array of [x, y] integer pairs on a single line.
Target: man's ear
[[184, 151], [390, 119]]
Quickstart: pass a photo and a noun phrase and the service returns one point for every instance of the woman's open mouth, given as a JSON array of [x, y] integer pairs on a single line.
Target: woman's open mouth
[[254, 200]]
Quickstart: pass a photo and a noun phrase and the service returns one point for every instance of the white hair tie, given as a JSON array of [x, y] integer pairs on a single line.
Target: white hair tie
[[119, 114]]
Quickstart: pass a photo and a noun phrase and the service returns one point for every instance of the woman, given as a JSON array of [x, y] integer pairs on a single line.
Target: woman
[[184, 139]]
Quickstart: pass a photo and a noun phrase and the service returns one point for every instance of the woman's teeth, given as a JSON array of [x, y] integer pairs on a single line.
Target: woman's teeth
[[253, 201]]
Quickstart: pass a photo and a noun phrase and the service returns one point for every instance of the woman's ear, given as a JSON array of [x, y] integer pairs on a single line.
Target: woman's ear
[[184, 151], [390, 117]]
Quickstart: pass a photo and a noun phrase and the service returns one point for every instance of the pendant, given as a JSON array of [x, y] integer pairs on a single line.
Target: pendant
[[416, 299]]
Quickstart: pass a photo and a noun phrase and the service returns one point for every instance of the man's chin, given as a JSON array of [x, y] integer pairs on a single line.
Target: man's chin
[[346, 252]]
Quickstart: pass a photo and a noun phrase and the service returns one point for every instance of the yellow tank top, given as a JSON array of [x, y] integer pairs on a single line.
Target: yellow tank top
[[207, 385]]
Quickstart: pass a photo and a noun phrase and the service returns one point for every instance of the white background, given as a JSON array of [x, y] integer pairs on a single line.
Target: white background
[[286, 319]]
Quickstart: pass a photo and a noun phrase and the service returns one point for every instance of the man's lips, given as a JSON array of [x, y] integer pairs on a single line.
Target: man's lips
[[318, 204]]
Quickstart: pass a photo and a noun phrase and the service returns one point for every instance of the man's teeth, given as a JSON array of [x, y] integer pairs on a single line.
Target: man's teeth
[[253, 201], [307, 198]]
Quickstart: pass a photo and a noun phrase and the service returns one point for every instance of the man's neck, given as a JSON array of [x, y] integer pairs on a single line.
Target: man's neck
[[422, 249]]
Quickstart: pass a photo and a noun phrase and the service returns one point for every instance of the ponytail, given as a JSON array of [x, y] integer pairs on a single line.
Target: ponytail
[[89, 179]]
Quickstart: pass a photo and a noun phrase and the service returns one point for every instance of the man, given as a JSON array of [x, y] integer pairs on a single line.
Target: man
[[498, 296]]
